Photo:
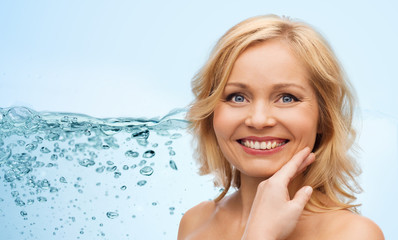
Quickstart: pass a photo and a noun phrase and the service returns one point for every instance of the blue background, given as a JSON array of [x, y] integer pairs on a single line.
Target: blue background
[[136, 58]]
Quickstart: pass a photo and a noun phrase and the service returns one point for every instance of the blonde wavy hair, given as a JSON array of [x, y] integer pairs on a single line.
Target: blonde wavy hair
[[334, 172]]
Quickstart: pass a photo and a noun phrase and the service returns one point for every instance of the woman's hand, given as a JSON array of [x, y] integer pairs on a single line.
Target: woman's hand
[[274, 215]]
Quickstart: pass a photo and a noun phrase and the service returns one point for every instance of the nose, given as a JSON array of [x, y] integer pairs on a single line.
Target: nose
[[260, 116]]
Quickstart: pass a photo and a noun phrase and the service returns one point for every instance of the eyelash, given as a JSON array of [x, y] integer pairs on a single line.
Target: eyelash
[[295, 99], [232, 95]]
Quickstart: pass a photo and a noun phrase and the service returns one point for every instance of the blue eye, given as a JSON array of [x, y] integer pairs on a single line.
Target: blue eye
[[238, 98], [288, 98]]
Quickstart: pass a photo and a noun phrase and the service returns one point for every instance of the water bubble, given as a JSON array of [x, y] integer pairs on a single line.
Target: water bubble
[[54, 157], [112, 142], [168, 143], [149, 154], [131, 153], [14, 194], [52, 136], [111, 169], [141, 183], [39, 139], [125, 167], [100, 169], [140, 134], [112, 215], [42, 199], [110, 163], [18, 201], [123, 187], [175, 136], [163, 133], [142, 163], [86, 162], [172, 153], [62, 180], [173, 165], [110, 130], [43, 184], [44, 150], [51, 165], [146, 171], [31, 146], [5, 154], [18, 115], [23, 213], [117, 174]]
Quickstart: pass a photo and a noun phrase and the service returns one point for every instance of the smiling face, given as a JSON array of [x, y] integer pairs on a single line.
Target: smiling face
[[268, 111]]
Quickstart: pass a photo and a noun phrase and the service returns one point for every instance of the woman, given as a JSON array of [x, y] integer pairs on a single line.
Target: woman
[[272, 117]]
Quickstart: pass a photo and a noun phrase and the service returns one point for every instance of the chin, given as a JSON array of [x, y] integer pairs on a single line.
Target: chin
[[263, 172]]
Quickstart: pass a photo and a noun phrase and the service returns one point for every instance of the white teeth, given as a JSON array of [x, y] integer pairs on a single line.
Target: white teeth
[[257, 145], [261, 145]]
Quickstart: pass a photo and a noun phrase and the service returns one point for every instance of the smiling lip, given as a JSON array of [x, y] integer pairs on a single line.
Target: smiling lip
[[262, 145]]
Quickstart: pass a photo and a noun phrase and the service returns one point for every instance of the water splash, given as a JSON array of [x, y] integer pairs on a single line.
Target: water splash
[[50, 162]]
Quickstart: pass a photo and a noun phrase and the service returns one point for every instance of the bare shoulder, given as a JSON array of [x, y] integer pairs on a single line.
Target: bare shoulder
[[195, 217], [348, 225]]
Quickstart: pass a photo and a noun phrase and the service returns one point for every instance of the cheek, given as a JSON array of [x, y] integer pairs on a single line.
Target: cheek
[[224, 121], [303, 123]]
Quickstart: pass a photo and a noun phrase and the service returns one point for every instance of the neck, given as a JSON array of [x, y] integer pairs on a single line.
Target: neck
[[244, 197]]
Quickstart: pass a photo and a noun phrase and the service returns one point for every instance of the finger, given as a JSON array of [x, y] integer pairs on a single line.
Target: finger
[[289, 170], [301, 197], [310, 159]]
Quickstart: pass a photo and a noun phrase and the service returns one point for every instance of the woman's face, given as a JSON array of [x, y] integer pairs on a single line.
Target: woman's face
[[268, 111]]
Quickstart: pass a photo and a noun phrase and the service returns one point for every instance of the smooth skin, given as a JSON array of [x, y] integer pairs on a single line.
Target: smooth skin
[[269, 96]]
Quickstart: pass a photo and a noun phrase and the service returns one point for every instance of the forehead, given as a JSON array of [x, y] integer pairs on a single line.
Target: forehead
[[272, 62]]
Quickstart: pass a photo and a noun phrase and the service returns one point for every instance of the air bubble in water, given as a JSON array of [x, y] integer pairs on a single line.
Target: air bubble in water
[[131, 153], [100, 169], [23, 213], [175, 136], [173, 165], [112, 215], [86, 162], [149, 154], [141, 183], [62, 180], [142, 163], [44, 150], [146, 171]]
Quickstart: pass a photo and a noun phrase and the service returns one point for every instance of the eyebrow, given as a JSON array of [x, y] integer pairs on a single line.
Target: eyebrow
[[274, 87]]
